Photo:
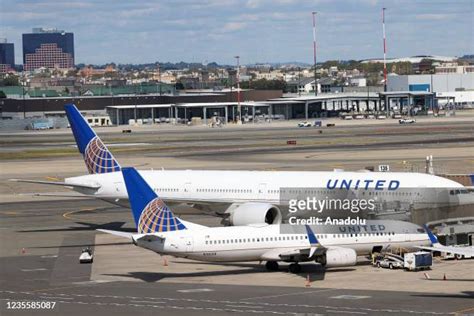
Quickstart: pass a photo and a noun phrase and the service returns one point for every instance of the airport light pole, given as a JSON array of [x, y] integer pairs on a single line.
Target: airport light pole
[[239, 109], [384, 52], [314, 51], [24, 101], [299, 81], [159, 78]]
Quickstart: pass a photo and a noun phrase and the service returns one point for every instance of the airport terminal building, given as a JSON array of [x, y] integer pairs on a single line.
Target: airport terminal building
[[457, 88], [257, 105]]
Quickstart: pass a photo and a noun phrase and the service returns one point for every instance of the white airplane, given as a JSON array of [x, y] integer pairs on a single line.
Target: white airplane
[[247, 197], [159, 230], [437, 246]]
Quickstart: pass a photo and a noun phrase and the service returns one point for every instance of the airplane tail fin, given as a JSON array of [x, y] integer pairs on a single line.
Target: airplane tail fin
[[150, 213], [97, 157], [433, 238]]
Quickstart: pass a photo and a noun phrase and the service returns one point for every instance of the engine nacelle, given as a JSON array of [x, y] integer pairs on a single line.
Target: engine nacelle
[[338, 257], [253, 213]]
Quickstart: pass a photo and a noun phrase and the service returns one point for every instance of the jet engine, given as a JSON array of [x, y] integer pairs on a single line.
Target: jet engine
[[338, 257], [252, 213]]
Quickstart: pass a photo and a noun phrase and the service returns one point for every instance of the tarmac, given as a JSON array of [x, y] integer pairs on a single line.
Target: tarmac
[[41, 243], [42, 238]]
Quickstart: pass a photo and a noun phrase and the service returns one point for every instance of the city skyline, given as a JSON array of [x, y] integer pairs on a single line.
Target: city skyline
[[257, 30]]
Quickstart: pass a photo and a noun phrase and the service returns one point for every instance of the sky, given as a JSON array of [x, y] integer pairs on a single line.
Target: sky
[[124, 31]]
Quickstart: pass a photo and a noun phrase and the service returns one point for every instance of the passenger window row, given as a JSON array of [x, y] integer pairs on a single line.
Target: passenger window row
[[225, 190], [166, 190], [248, 240]]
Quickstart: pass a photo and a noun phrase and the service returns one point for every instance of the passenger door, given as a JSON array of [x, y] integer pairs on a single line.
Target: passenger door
[[188, 242], [262, 190], [187, 188]]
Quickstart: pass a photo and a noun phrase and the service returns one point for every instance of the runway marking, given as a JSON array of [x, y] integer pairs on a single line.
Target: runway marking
[[351, 297], [57, 297], [195, 290], [9, 213], [31, 270], [346, 312], [49, 256], [91, 282], [67, 215], [288, 294], [464, 311], [244, 306], [154, 302], [354, 310]]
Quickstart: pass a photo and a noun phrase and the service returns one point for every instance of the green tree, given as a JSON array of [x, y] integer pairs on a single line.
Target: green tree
[[264, 84], [11, 81]]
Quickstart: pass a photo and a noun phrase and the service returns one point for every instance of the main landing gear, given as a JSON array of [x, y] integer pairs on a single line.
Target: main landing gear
[[271, 265], [294, 268]]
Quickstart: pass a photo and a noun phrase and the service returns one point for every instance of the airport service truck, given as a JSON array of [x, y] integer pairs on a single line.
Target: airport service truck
[[420, 260]]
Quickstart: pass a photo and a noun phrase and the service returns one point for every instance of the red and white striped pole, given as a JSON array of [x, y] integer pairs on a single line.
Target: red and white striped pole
[[314, 51], [384, 51], [239, 108]]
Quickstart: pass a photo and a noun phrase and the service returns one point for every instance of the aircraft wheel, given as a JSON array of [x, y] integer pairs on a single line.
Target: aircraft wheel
[[294, 268], [271, 265]]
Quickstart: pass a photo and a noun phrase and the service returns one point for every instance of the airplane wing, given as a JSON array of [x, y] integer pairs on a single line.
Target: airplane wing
[[117, 233], [465, 251], [292, 253], [64, 184], [134, 237], [303, 253], [58, 194]]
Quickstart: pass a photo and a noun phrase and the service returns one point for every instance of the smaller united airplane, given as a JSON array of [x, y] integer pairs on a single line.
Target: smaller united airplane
[[162, 232], [159, 230]]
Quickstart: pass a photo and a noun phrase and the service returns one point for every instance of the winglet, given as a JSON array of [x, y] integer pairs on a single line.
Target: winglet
[[313, 241], [311, 236], [432, 237]]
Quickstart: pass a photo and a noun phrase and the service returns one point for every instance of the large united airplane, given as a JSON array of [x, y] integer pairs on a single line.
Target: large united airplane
[[159, 230], [247, 197]]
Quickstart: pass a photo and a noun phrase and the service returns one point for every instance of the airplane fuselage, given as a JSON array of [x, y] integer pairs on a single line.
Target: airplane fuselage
[[217, 188], [250, 243]]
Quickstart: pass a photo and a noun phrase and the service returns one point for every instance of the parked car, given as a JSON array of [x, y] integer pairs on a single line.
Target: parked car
[[304, 124], [389, 263], [406, 121], [86, 256]]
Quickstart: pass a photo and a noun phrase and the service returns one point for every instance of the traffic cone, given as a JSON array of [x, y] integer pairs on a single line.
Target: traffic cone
[[444, 277], [308, 281], [23, 251]]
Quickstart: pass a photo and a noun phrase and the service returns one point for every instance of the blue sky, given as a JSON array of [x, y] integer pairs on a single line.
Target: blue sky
[[125, 31]]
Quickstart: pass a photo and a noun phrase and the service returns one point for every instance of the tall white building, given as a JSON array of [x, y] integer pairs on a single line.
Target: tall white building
[[457, 86]]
